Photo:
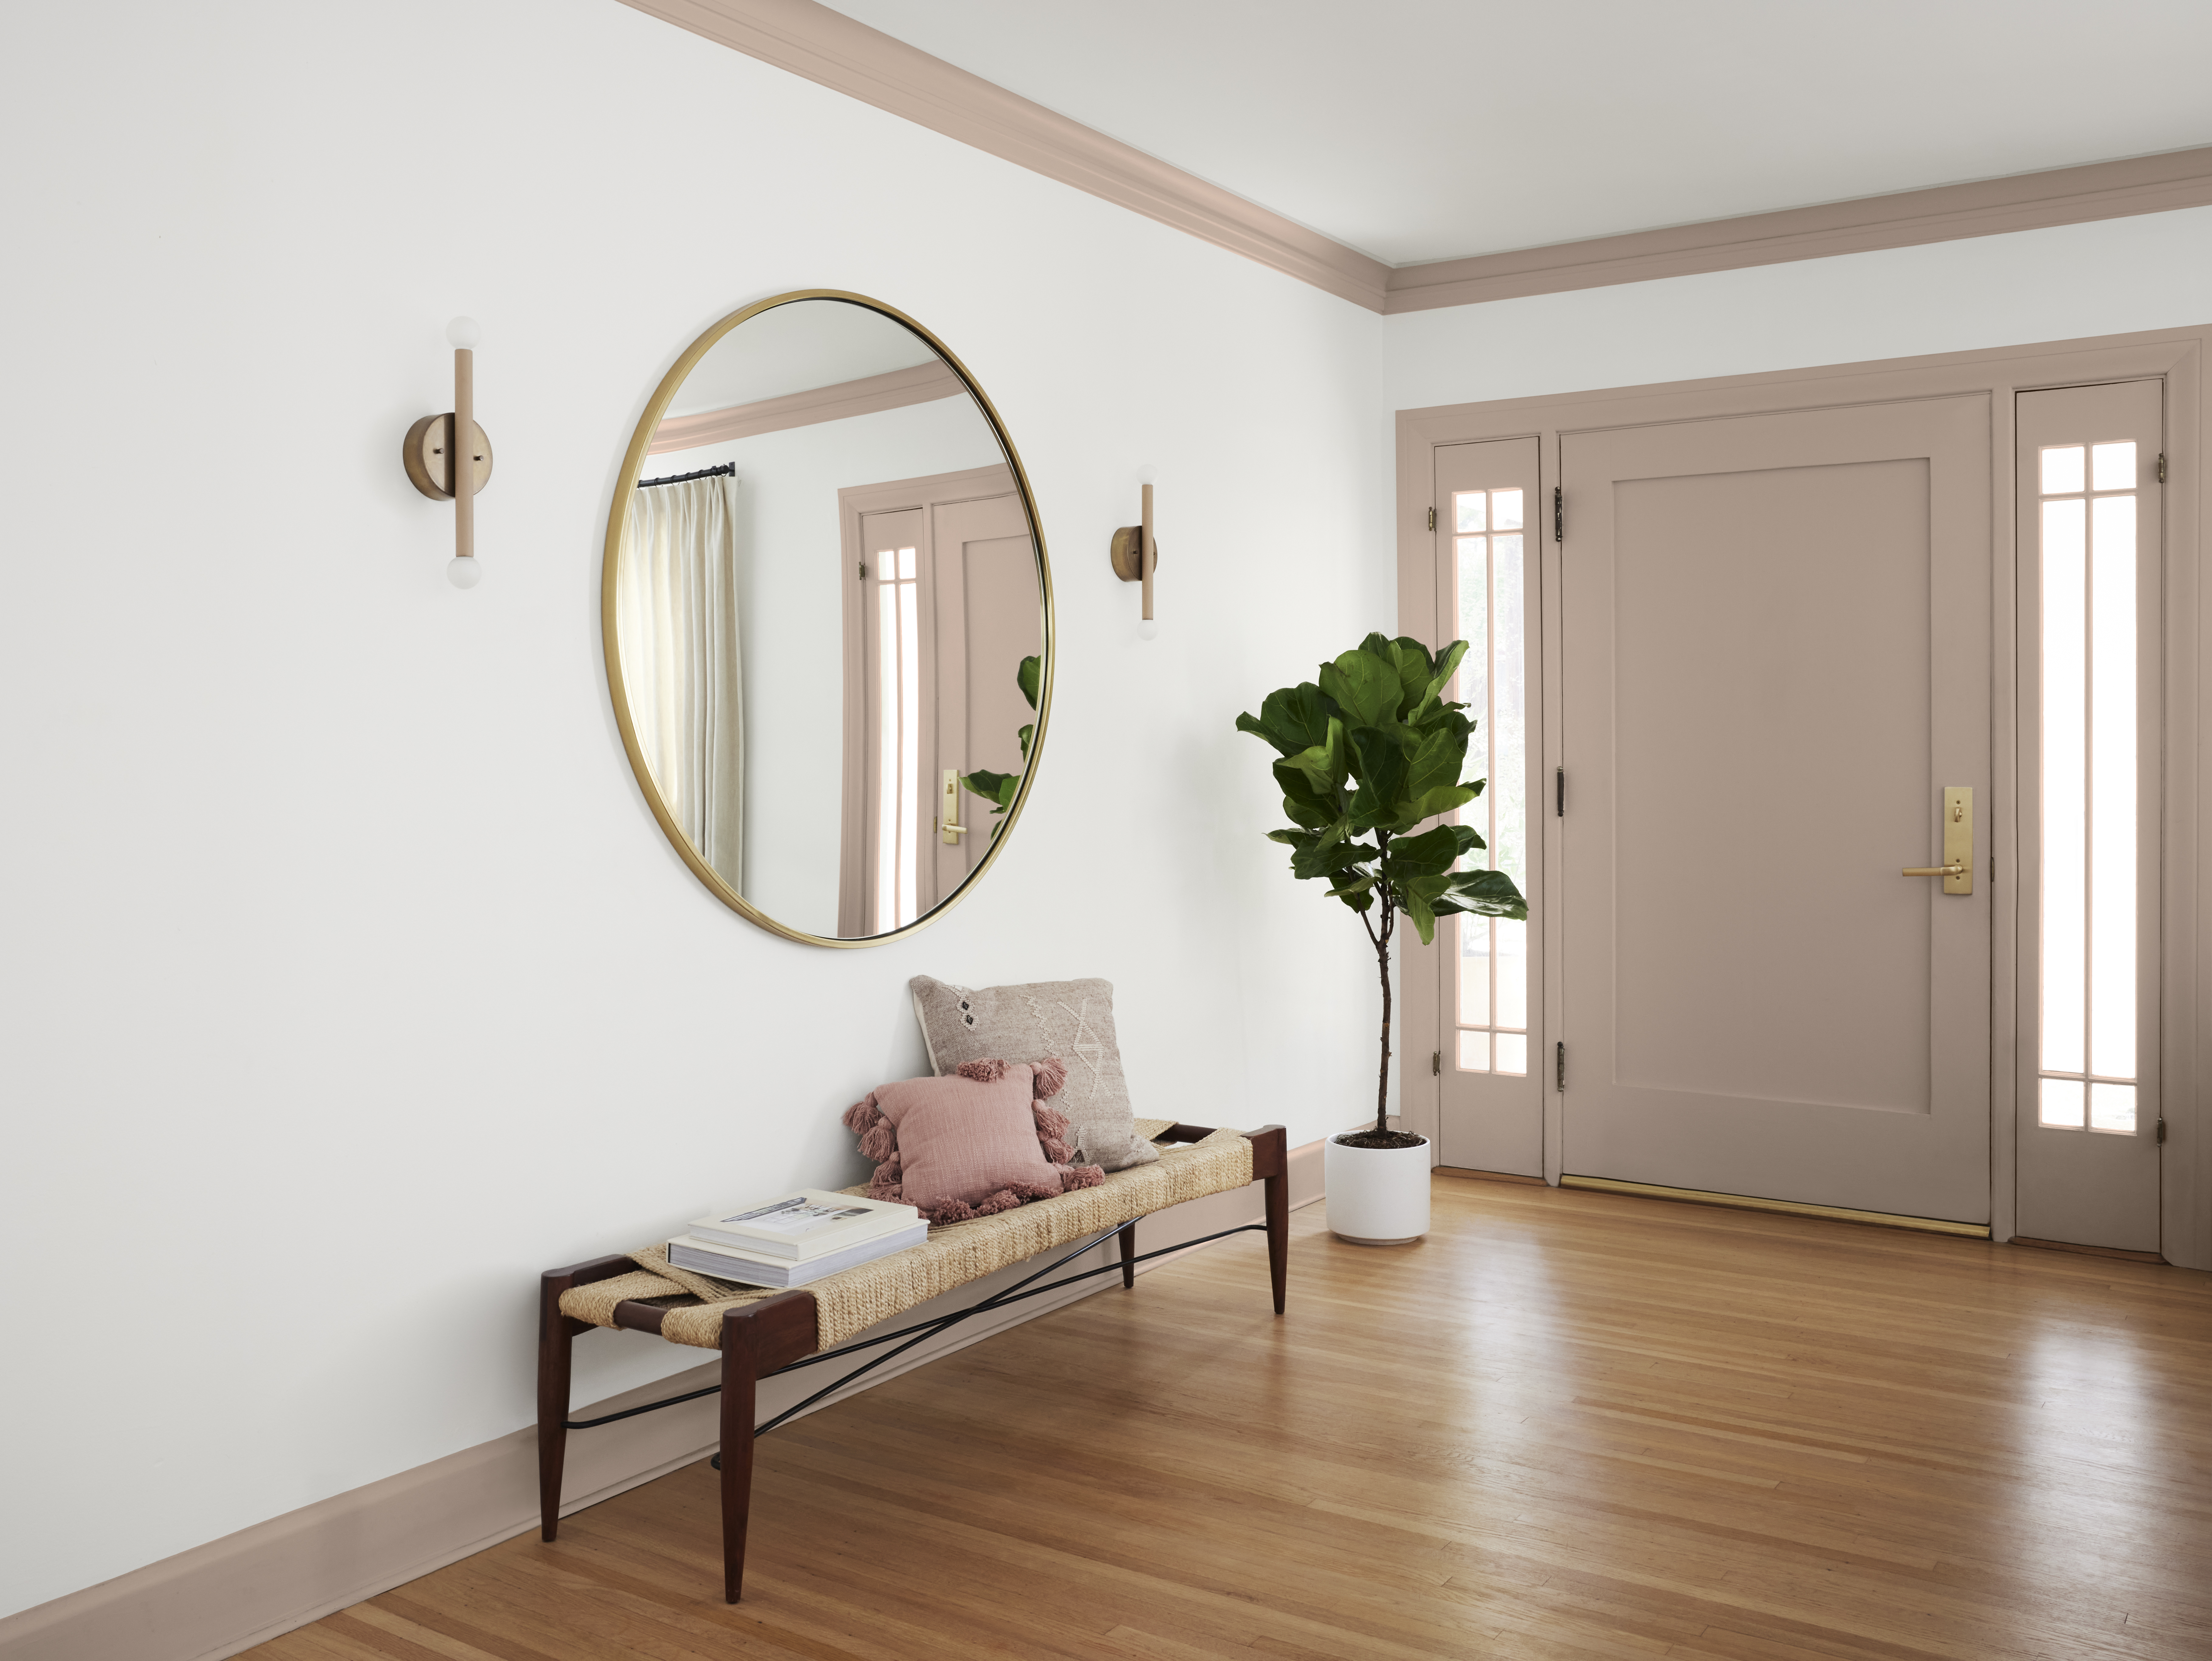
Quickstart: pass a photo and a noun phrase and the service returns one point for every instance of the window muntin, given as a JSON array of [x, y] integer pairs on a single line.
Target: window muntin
[[1491, 967], [2087, 1059]]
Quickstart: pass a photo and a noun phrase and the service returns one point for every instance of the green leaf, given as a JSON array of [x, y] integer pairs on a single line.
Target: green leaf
[[1291, 719], [1432, 853], [999, 789], [1484, 893], [1437, 760], [1379, 766], [1364, 686], [1027, 677], [1445, 665], [1325, 764], [1025, 734], [1301, 802]]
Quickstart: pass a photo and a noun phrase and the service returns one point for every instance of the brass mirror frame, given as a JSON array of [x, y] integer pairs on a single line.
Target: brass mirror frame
[[618, 513]]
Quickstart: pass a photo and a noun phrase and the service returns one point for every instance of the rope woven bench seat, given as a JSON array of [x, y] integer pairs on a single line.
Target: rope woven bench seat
[[762, 1333], [847, 1304]]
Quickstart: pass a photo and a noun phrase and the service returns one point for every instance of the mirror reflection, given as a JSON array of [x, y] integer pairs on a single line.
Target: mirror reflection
[[826, 619]]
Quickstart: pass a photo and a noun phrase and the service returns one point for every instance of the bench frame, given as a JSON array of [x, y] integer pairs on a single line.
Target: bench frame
[[777, 1335]]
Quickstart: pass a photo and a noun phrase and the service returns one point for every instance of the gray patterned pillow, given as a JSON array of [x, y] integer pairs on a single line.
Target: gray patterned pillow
[[1071, 1019]]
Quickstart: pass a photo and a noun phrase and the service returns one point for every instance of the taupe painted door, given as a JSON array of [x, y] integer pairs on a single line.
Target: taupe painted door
[[2089, 518], [984, 604], [1775, 642]]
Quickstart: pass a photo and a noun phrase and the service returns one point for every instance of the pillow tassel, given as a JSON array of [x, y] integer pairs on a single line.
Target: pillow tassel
[[1048, 1075], [983, 1072], [1081, 1176], [863, 1113]]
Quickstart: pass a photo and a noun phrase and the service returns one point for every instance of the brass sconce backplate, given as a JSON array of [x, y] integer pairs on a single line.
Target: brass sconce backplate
[[1124, 552], [427, 445]]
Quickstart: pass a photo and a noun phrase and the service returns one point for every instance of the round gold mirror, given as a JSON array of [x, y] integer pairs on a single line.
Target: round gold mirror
[[828, 618]]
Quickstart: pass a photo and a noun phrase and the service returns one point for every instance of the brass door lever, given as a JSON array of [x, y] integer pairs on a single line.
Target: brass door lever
[[1935, 870]]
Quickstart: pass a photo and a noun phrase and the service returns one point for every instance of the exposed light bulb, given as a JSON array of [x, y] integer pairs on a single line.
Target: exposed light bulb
[[463, 332], [1148, 628], [464, 573]]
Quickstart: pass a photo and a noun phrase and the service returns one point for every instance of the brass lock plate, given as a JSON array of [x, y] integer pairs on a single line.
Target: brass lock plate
[[1959, 837]]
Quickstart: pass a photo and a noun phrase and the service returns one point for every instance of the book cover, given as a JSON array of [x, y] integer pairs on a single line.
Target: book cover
[[803, 1225]]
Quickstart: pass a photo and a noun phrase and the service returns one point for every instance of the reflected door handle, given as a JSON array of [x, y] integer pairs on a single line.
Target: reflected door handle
[[1957, 869], [950, 829]]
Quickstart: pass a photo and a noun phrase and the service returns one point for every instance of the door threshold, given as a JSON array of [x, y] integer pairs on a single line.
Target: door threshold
[[1978, 1231], [1487, 1176], [2121, 1252]]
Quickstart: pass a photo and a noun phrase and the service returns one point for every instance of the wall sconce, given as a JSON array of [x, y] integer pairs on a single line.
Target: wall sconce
[[429, 446], [1136, 554]]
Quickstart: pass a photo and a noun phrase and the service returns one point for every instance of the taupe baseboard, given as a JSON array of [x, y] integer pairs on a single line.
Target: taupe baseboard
[[248, 1587]]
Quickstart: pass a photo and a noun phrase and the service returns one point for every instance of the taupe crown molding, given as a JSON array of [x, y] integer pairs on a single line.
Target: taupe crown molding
[[894, 389], [835, 51]]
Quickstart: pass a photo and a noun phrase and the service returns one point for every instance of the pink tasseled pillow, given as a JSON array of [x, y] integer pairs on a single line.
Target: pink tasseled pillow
[[972, 1143]]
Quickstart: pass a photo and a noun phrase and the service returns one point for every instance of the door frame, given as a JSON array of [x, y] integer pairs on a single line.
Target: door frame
[[2186, 875]]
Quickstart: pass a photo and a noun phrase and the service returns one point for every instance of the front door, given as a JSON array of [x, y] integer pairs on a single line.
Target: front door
[[1776, 673]]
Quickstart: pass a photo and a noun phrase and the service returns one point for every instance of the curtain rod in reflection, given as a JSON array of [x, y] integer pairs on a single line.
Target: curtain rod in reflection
[[727, 470]]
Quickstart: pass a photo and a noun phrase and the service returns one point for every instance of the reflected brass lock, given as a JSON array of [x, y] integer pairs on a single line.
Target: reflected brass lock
[[1957, 869], [950, 829]]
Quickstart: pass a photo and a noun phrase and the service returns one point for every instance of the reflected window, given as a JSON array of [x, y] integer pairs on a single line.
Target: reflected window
[[898, 681]]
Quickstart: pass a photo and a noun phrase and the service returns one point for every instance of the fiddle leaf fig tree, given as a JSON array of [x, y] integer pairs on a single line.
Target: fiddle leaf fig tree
[[1366, 754]]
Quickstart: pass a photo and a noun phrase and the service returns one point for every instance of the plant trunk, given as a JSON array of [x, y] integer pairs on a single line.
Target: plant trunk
[[1390, 902]]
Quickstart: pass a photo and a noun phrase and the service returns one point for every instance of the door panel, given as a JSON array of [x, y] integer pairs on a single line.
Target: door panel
[[1775, 655], [2090, 542]]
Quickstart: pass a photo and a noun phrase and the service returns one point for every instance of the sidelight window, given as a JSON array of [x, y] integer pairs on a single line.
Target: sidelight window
[[2088, 1062], [1492, 972]]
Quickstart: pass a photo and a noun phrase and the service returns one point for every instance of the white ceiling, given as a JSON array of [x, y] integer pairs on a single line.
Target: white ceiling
[[1421, 130]]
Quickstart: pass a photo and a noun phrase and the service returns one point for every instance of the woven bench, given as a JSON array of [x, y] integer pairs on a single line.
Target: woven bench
[[761, 1333]]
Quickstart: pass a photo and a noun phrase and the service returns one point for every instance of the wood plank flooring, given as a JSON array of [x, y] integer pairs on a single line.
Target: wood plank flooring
[[1566, 1425]]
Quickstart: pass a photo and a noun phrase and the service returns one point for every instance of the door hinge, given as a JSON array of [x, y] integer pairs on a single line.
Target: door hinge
[[1436, 1064], [2161, 1130], [1432, 518], [2162, 469], [1558, 514], [1559, 794], [1559, 1066], [863, 574]]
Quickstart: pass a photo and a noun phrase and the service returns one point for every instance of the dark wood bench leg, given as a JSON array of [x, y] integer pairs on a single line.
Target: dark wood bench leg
[[1270, 1163], [1129, 1254], [555, 1340], [757, 1338]]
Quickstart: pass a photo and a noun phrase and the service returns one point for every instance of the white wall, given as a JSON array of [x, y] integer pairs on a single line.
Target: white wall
[[348, 982], [2150, 272]]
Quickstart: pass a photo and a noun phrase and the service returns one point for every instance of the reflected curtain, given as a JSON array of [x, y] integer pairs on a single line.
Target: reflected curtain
[[678, 620]]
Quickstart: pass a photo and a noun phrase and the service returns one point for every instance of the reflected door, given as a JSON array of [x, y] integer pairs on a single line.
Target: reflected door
[[2088, 519], [1775, 642], [942, 606], [984, 608]]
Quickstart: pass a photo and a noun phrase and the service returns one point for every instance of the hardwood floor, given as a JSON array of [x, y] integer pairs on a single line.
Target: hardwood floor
[[1566, 1425]]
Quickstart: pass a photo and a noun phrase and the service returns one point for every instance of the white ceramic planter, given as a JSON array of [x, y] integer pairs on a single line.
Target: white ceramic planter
[[1376, 1195]]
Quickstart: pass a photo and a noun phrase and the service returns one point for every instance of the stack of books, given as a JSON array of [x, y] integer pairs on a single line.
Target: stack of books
[[795, 1239]]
